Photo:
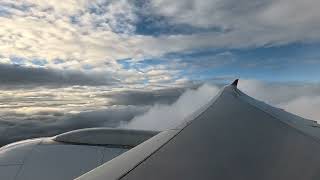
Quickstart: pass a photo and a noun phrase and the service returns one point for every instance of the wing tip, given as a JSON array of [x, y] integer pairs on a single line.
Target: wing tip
[[235, 83]]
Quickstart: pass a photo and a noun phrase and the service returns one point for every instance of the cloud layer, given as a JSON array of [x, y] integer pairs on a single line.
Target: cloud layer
[[96, 35]]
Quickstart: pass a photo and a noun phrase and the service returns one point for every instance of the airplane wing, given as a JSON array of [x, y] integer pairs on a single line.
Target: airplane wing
[[68, 155], [232, 137]]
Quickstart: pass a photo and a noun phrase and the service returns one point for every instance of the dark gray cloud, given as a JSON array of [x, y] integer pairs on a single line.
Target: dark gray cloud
[[34, 126], [16, 75], [164, 96]]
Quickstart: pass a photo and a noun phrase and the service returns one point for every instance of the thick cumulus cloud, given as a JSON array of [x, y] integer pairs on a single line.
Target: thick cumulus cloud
[[161, 117]]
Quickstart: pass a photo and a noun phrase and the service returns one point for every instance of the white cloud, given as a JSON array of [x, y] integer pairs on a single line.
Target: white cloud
[[247, 24], [161, 117], [80, 33], [278, 93], [85, 30], [307, 107], [300, 99]]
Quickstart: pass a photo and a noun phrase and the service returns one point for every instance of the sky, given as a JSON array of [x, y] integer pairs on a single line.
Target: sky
[[111, 61]]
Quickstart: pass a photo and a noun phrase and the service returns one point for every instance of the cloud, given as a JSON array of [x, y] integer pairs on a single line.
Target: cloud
[[78, 32], [136, 97], [31, 76], [96, 35], [249, 24], [307, 107], [161, 117], [116, 15], [96, 32], [302, 99]]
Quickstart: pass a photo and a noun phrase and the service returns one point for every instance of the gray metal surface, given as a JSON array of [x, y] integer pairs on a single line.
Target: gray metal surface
[[43, 158], [122, 164], [234, 138], [68, 155]]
